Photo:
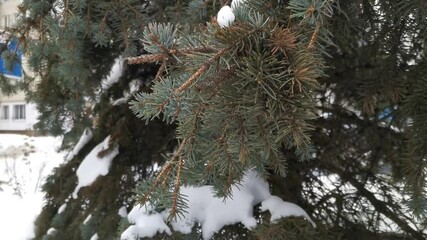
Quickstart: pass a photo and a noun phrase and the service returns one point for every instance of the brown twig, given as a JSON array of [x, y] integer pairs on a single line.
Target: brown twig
[[156, 57], [313, 38], [146, 58], [200, 71], [158, 43], [160, 71]]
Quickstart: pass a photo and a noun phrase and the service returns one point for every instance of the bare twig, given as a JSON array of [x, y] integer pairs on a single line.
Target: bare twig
[[200, 71], [156, 57], [313, 38]]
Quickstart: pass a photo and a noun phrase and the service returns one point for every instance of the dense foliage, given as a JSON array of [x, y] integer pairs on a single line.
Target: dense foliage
[[326, 99]]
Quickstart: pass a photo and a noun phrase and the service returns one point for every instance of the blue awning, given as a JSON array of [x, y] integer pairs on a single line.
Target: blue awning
[[17, 66]]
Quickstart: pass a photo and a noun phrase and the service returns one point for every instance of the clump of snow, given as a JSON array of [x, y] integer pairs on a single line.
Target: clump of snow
[[84, 139], [115, 73], [225, 16], [95, 237], [62, 208], [147, 223], [211, 212], [280, 209], [93, 166], [123, 212]]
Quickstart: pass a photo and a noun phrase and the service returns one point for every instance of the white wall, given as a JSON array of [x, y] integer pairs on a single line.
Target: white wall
[[8, 8], [20, 124]]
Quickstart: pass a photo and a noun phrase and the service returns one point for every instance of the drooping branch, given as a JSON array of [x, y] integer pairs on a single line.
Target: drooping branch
[[380, 206]]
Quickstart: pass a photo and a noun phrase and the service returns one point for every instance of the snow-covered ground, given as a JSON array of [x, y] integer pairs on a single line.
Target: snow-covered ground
[[24, 164]]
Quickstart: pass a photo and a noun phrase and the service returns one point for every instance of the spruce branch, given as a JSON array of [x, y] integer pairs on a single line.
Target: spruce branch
[[125, 28], [163, 178], [175, 196], [311, 9], [136, 13], [66, 11]]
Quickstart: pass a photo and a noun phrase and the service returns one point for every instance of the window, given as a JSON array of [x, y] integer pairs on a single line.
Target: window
[[9, 20], [4, 112], [6, 21], [18, 112]]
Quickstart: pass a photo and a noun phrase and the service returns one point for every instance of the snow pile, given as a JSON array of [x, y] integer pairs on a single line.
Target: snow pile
[[93, 166], [24, 163], [211, 212], [84, 139]]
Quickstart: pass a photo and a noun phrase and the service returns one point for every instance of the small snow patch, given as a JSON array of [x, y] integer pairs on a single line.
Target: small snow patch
[[84, 139], [120, 101], [87, 218], [94, 237], [123, 212], [51, 231], [62, 208]]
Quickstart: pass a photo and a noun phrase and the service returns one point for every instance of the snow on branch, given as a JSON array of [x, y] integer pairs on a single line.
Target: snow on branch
[[280, 209], [84, 139], [93, 165], [115, 74], [211, 212]]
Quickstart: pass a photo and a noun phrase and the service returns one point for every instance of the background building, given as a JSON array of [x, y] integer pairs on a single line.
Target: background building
[[16, 114]]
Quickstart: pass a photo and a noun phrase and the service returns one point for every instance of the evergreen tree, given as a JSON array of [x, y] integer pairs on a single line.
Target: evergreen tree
[[325, 99], [70, 64]]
